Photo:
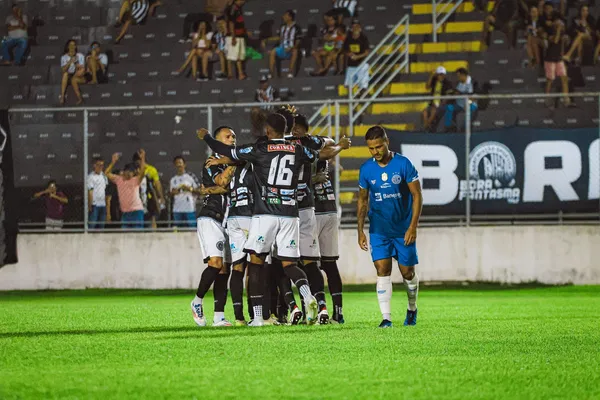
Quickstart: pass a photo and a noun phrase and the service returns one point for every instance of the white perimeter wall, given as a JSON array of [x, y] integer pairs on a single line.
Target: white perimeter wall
[[173, 260]]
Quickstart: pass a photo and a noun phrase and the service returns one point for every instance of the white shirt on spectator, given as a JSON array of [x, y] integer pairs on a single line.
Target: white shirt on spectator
[[184, 202], [16, 33], [97, 184], [64, 60], [204, 44], [103, 58]]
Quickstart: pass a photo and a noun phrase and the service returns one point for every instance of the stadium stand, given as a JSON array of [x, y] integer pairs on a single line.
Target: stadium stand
[[141, 72]]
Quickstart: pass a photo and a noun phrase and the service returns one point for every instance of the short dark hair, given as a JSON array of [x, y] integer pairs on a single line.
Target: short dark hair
[[292, 14], [287, 113], [301, 120], [462, 71], [66, 48], [130, 167], [135, 158], [219, 129], [375, 132], [97, 159], [277, 122], [51, 181], [179, 157]]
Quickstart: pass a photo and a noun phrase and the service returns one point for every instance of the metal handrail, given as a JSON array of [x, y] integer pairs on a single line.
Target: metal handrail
[[445, 14]]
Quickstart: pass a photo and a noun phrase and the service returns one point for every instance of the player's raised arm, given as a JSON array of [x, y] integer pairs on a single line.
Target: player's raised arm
[[330, 151], [216, 146]]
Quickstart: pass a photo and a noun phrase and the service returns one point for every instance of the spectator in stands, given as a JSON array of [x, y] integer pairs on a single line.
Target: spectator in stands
[[201, 49], [547, 20], [503, 18], [265, 93], [534, 41], [72, 64], [439, 86], [343, 9], [214, 10], [236, 43], [55, 202], [128, 186], [326, 55], [582, 34], [151, 190], [553, 61], [289, 43], [356, 49], [184, 188], [133, 12], [219, 48], [464, 86], [97, 197], [97, 65], [113, 210], [17, 39]]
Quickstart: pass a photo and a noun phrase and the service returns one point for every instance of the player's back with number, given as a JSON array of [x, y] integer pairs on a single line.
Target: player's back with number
[[276, 164]]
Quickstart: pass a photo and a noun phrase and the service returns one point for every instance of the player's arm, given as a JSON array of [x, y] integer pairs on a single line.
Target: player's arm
[[210, 161], [215, 145], [108, 170], [417, 206], [330, 151], [203, 191], [224, 178], [361, 213]]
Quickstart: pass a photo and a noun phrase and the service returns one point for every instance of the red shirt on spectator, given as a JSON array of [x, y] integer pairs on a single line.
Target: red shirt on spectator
[[54, 208]]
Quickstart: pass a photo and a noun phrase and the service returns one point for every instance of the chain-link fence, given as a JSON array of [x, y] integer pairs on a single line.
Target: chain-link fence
[[498, 159]]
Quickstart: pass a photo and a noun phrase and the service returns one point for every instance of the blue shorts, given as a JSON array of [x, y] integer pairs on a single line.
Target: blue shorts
[[282, 54], [383, 247]]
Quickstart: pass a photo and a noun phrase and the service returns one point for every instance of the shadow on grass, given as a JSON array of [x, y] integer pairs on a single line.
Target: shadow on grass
[[193, 331]]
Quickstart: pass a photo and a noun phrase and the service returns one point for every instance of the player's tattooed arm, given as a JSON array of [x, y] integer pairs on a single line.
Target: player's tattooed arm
[[417, 206], [224, 178], [210, 161], [203, 191], [361, 212]]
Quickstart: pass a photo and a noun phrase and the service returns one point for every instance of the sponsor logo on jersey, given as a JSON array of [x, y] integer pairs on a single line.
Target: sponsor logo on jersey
[[242, 190], [392, 195], [241, 203], [290, 202], [245, 150], [287, 192], [396, 179], [220, 245], [273, 190], [233, 248], [331, 197], [373, 181], [292, 244], [282, 147], [378, 197], [386, 185], [261, 239], [272, 200], [301, 186]]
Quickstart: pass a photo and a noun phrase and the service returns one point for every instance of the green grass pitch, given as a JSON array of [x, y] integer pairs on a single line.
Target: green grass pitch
[[541, 343]]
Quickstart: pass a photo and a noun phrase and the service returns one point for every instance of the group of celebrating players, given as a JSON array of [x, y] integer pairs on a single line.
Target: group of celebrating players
[[272, 202]]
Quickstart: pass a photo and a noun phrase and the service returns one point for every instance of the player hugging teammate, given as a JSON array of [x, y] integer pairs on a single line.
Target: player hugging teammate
[[271, 212]]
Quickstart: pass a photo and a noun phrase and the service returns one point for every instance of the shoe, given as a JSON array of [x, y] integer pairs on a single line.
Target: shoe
[[323, 318], [220, 76], [198, 314], [386, 323], [239, 322], [295, 316], [411, 318], [221, 323], [256, 322], [337, 319], [312, 310], [271, 321]]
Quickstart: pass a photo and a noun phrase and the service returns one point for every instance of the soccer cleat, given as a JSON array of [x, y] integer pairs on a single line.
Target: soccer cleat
[[295, 316], [222, 323], [256, 322], [198, 314], [337, 319], [239, 322], [271, 321], [411, 318], [323, 317], [312, 309], [386, 323]]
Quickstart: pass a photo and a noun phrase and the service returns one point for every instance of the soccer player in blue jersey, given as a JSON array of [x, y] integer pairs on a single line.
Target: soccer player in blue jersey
[[389, 188]]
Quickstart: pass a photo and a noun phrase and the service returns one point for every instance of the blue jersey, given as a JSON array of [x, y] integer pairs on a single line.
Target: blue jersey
[[390, 200]]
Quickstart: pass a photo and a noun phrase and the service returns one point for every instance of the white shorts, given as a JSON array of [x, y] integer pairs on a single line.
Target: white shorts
[[309, 237], [213, 239], [237, 52], [327, 230], [237, 232], [267, 231]]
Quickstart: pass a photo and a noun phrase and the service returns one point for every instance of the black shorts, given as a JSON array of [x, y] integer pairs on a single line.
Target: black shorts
[[101, 75]]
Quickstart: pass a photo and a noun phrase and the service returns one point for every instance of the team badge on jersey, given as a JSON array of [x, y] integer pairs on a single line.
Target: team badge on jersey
[[396, 179], [384, 177]]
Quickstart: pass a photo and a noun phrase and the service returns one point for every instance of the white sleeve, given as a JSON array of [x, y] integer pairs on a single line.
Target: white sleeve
[[172, 184], [103, 59], [90, 184], [80, 59], [64, 60]]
